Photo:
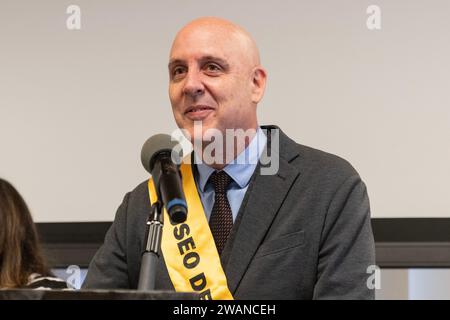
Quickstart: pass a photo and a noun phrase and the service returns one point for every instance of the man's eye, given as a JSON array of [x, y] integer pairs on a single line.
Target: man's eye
[[177, 71], [212, 67]]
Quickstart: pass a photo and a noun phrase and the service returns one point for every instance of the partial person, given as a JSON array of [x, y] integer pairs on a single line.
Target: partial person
[[21, 259]]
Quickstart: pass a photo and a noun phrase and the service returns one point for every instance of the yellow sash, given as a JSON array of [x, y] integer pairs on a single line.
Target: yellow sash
[[188, 248]]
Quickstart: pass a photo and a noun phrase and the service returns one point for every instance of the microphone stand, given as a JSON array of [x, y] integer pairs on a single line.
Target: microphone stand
[[150, 256]]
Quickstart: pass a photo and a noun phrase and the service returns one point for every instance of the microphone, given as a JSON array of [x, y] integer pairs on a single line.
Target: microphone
[[156, 157]]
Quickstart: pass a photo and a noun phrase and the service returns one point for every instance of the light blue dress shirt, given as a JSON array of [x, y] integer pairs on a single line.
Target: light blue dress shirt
[[240, 170]]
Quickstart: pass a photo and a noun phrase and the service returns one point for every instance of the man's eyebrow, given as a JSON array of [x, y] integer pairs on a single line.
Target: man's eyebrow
[[202, 60], [215, 59], [173, 62]]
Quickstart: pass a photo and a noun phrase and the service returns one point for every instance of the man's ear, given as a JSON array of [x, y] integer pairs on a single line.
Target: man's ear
[[258, 83]]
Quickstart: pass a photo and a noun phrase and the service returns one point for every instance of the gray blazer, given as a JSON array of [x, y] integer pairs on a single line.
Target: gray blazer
[[303, 233]]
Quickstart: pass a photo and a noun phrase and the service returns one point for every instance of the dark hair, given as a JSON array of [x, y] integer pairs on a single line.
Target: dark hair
[[20, 251]]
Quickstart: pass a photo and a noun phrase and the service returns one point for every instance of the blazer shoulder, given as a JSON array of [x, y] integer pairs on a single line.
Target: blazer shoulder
[[325, 164], [137, 201], [140, 192], [311, 160]]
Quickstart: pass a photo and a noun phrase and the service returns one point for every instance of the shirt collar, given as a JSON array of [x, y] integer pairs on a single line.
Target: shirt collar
[[240, 169]]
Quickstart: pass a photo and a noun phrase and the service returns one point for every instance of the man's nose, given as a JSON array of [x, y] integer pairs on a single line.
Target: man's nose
[[193, 86]]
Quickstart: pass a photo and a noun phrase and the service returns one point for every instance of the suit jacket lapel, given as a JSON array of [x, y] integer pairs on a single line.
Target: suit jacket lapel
[[266, 194]]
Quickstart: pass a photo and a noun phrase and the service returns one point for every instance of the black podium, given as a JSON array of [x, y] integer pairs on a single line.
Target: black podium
[[26, 294]]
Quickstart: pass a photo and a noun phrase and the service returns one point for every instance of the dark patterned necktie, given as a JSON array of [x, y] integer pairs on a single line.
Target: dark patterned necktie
[[221, 220]]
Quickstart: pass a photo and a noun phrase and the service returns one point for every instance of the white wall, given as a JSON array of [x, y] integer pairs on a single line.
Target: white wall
[[76, 106]]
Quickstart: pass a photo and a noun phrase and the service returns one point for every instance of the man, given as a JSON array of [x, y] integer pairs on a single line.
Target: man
[[302, 232]]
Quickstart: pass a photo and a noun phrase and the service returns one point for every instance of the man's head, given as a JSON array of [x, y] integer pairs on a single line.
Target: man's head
[[215, 76]]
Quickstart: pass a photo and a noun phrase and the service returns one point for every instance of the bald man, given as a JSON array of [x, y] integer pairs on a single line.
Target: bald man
[[301, 231]]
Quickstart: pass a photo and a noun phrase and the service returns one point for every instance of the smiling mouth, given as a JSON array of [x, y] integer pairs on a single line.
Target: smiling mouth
[[198, 113], [197, 109]]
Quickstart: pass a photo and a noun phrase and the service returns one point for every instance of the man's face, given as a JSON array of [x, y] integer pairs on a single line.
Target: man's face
[[211, 81]]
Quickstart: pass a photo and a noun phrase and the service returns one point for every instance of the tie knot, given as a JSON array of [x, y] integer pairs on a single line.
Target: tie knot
[[220, 181]]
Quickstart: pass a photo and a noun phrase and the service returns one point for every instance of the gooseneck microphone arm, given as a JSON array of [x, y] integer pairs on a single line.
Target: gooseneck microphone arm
[[150, 256]]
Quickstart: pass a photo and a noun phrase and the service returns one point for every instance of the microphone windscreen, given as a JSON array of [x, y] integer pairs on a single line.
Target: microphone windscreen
[[156, 144]]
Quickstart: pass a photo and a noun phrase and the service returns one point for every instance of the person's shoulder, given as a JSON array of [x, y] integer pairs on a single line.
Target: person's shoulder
[[138, 199], [140, 191], [138, 194], [316, 163], [324, 171], [323, 161]]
